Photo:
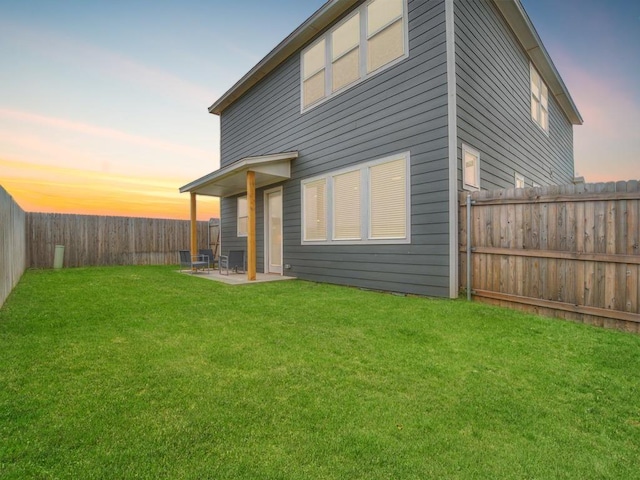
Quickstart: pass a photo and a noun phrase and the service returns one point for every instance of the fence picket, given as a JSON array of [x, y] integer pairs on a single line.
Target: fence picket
[[99, 240], [587, 237], [13, 241]]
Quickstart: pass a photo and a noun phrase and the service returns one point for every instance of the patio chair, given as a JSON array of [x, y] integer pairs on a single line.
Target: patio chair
[[192, 262], [210, 257], [234, 260]]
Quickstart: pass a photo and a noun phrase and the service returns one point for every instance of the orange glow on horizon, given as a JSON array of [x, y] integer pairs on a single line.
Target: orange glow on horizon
[[38, 188]]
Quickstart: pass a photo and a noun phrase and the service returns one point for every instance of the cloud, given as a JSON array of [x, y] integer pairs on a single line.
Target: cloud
[[96, 131], [607, 145], [60, 48], [18, 144], [605, 101], [40, 188]]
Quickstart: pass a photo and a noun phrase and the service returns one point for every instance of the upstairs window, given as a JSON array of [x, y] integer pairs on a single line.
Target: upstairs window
[[470, 168], [519, 180], [313, 73], [372, 38], [539, 100], [345, 53], [385, 32]]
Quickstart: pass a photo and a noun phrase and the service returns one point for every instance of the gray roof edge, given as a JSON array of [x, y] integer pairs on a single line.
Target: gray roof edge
[[323, 17], [238, 164], [519, 21], [511, 10]]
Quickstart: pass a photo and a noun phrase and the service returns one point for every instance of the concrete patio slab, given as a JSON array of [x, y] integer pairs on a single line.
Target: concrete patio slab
[[237, 278]]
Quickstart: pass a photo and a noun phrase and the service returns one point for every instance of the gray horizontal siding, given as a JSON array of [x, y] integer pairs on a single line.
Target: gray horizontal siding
[[228, 231], [493, 103], [401, 109]]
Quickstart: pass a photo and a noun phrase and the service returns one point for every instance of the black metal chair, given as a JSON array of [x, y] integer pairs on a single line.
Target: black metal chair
[[192, 262], [209, 256], [234, 261]]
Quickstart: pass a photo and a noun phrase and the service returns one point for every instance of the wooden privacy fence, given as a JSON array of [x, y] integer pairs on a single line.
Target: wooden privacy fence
[[13, 250], [99, 240], [568, 251]]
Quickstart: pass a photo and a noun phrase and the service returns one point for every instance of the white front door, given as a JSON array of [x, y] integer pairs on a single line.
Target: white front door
[[273, 231]]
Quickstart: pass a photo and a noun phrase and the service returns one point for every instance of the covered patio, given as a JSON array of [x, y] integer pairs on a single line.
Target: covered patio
[[243, 176]]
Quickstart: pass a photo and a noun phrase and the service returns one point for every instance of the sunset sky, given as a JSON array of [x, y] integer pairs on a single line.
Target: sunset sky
[[103, 104]]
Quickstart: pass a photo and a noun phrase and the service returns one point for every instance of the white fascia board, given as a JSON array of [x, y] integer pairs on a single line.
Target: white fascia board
[[272, 168], [517, 18], [320, 20], [452, 134]]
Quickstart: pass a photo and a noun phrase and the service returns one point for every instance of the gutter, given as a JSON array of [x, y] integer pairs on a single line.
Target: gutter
[[521, 25], [512, 11], [321, 19]]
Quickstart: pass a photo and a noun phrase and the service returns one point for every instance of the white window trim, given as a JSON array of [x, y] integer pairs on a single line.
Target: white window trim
[[365, 207], [475, 153], [329, 93], [518, 177], [539, 100], [238, 217]]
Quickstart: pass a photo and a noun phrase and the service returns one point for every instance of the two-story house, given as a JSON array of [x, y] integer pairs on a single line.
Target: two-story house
[[343, 151]]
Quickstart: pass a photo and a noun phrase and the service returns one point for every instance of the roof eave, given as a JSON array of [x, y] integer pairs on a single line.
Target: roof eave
[[260, 164], [520, 23], [322, 18], [511, 10]]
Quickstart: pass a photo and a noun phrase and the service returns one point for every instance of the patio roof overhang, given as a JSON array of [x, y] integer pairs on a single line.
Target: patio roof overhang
[[232, 179]]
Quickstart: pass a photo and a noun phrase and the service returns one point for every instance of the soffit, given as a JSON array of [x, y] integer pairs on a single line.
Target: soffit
[[322, 18], [232, 179], [512, 11], [520, 23]]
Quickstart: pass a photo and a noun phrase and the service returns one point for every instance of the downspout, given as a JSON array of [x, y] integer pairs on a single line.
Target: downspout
[[452, 147], [469, 246]]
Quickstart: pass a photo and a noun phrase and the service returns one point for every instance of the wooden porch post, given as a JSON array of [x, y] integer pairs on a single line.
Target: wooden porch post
[[194, 226], [251, 227]]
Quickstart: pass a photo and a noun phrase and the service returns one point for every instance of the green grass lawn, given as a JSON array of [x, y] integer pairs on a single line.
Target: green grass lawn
[[139, 372]]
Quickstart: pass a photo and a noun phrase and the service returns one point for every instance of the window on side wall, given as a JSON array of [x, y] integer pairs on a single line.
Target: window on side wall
[[519, 180], [539, 100], [243, 216], [470, 168], [366, 203], [370, 39]]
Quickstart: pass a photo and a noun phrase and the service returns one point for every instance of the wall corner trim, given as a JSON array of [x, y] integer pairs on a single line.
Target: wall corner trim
[[452, 135]]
